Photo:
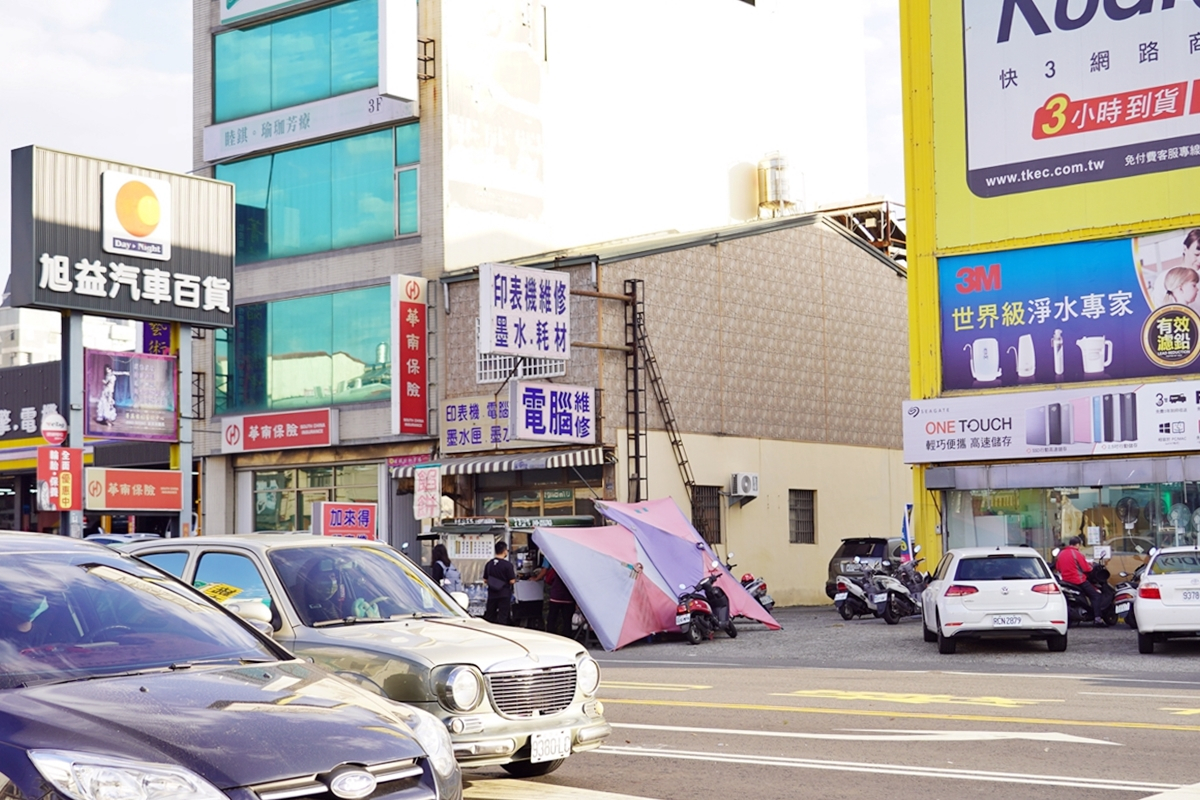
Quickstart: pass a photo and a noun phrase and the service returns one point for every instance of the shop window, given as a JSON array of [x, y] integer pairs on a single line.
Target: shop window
[[706, 512], [308, 352], [307, 57], [525, 503], [558, 502], [326, 196], [284, 498], [802, 516]]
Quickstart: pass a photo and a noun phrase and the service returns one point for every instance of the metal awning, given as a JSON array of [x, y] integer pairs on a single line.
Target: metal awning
[[511, 462]]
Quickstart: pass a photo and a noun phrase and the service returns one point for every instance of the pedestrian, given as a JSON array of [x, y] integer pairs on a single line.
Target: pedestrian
[[445, 574], [500, 576], [1074, 567], [562, 603]]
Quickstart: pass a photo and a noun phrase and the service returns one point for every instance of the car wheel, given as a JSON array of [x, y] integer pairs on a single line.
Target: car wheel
[[930, 636], [527, 769], [846, 611], [1057, 643], [1145, 644], [946, 645]]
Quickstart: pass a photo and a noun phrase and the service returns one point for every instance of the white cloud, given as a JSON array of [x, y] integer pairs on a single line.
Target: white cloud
[[97, 78]]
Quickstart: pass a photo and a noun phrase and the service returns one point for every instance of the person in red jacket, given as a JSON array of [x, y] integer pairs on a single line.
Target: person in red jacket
[[1074, 567]]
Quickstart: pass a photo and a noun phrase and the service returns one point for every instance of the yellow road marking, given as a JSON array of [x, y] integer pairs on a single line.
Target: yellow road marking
[[1150, 726], [508, 789], [1182, 712], [662, 687], [915, 699]]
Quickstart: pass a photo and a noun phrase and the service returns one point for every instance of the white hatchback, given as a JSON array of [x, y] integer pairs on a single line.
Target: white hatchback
[[1168, 599], [980, 592]]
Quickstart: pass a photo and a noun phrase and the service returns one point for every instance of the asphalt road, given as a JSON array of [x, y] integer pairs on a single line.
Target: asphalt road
[[860, 709]]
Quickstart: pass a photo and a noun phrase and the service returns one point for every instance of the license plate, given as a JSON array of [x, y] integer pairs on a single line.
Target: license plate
[[1006, 622], [1191, 596], [549, 746], [682, 619], [881, 598], [839, 596], [1122, 608]]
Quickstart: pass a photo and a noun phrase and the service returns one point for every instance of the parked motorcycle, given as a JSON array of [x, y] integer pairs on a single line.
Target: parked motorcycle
[[757, 587], [859, 595], [1126, 590], [704, 609], [1079, 604], [903, 589]]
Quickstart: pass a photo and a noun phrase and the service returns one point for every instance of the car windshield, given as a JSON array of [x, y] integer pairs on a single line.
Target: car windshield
[[861, 548], [1175, 563], [1001, 568], [345, 584], [76, 617]]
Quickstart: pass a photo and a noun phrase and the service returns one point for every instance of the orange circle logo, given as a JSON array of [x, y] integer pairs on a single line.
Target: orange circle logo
[[138, 209]]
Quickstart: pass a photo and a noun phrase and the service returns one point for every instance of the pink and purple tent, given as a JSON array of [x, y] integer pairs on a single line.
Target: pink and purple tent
[[625, 577]]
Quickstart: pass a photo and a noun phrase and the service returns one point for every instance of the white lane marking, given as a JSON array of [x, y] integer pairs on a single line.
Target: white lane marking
[[1113, 678], [892, 735], [1182, 793], [893, 769], [508, 789], [1121, 694]]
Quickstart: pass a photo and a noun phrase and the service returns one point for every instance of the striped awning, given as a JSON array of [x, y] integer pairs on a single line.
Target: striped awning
[[511, 462]]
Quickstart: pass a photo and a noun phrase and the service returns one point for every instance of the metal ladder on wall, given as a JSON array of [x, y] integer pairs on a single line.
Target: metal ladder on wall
[[642, 351], [635, 395]]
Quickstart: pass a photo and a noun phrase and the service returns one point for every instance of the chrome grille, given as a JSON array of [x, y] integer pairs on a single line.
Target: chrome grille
[[534, 692], [396, 779]]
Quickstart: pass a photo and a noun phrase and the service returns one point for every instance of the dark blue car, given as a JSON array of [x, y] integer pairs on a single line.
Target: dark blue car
[[117, 682]]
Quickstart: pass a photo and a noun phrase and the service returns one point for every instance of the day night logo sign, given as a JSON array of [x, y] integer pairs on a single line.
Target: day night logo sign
[[1062, 92], [136, 216]]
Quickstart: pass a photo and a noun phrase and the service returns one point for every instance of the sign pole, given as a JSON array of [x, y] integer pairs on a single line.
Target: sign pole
[[183, 348], [72, 403]]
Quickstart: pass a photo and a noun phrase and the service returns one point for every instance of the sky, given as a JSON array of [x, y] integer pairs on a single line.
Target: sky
[[112, 79]]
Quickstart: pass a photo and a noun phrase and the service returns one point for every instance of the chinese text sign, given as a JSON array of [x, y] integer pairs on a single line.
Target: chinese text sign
[[552, 412], [286, 430], [133, 489], [59, 478], [410, 365], [524, 312], [427, 492], [352, 520]]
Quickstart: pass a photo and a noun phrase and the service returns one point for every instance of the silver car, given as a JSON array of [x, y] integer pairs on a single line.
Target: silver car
[[517, 698]]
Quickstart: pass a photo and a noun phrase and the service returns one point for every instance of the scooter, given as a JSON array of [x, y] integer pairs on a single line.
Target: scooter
[[704, 609], [857, 596], [1079, 604], [1126, 591], [757, 587], [902, 600]]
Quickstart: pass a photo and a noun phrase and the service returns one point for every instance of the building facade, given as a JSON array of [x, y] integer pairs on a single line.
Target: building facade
[[532, 127]]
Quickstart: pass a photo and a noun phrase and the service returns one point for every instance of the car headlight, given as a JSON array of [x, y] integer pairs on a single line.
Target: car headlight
[[87, 776], [432, 735], [459, 688], [588, 676]]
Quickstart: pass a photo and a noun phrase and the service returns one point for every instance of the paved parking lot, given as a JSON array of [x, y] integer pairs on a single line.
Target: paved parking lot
[[816, 636]]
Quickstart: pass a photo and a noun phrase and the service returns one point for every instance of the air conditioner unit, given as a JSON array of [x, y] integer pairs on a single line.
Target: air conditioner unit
[[744, 484]]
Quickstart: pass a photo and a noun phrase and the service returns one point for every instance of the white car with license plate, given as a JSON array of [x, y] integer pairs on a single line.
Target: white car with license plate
[[1167, 604], [980, 592]]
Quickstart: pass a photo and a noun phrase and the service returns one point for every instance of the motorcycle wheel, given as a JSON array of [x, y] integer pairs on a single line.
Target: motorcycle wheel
[[731, 629], [891, 610], [846, 611], [1110, 618], [693, 633]]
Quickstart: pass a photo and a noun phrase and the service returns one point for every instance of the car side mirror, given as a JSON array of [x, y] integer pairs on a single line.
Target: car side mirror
[[729, 556], [886, 563], [916, 549], [254, 613], [462, 599], [1056, 551], [857, 560]]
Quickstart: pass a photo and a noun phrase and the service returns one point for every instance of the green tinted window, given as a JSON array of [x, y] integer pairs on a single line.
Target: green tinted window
[[362, 190], [408, 144], [305, 352], [299, 206], [307, 57]]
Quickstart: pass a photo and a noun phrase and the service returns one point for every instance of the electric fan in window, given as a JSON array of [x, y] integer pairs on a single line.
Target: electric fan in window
[[1127, 511]]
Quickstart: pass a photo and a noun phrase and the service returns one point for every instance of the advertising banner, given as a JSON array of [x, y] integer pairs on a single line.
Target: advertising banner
[[552, 412], [59, 479], [27, 394], [474, 424], [1128, 419], [427, 492], [410, 359], [1051, 116], [524, 312], [130, 396], [352, 520], [133, 489], [110, 239], [284, 430], [1126, 308]]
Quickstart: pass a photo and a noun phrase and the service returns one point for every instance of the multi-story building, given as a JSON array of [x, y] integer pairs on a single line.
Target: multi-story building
[[536, 127]]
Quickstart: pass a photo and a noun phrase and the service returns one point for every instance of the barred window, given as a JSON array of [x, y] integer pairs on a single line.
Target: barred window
[[802, 516], [706, 512], [496, 368]]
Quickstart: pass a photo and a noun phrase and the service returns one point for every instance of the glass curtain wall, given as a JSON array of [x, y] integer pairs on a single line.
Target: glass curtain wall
[[306, 57], [1130, 519], [307, 352], [283, 498], [348, 192]]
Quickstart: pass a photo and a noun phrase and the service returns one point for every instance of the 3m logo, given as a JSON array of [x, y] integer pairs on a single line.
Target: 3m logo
[[978, 279]]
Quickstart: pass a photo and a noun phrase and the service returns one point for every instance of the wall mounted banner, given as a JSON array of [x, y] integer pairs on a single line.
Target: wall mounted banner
[[284, 430], [353, 520], [552, 412], [1127, 419], [59, 479], [524, 312], [410, 358], [130, 396], [133, 489], [473, 424], [427, 492], [1086, 311]]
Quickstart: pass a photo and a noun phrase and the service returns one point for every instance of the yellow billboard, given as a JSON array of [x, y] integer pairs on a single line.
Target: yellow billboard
[[1056, 116]]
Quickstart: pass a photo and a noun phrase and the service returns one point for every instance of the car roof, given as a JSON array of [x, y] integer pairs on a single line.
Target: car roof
[[1189, 548], [973, 552], [251, 541], [13, 542], [869, 538]]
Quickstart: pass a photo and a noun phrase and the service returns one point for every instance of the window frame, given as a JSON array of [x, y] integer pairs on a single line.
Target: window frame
[[416, 169], [711, 511], [795, 534]]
